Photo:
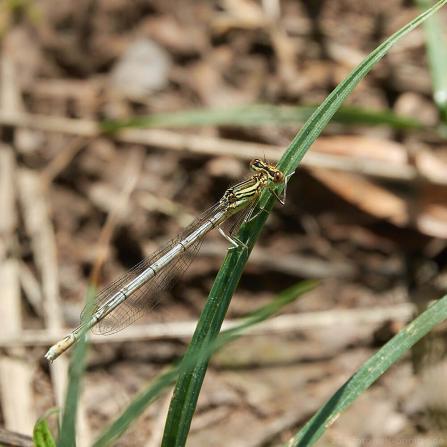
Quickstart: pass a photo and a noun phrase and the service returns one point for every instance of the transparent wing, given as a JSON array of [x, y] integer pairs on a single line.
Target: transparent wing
[[146, 297], [232, 225]]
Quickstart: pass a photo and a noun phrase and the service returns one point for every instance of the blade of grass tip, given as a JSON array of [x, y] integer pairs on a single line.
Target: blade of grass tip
[[319, 119], [42, 436], [76, 369], [437, 58], [161, 383], [369, 372], [188, 385]]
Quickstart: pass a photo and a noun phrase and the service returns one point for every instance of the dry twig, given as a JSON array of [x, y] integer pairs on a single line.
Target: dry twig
[[12, 439], [15, 373], [184, 329]]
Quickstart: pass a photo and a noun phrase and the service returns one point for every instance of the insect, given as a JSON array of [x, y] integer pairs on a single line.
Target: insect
[[125, 300]]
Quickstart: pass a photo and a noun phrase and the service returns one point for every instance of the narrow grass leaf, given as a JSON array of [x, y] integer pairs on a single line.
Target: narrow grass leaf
[[136, 408], [189, 384], [261, 114], [75, 372], [369, 373], [437, 56], [42, 436], [161, 383]]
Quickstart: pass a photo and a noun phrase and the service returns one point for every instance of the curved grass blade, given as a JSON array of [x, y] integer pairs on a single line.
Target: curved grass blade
[[161, 383], [370, 371], [42, 436], [188, 385]]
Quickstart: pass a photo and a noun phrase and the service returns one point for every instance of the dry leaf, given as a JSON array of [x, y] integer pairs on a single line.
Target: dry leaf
[[366, 195]]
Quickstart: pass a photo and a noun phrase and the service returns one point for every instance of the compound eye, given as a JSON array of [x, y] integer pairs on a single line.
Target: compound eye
[[278, 177], [255, 162]]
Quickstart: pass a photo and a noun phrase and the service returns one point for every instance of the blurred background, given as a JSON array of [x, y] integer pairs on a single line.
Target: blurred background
[[119, 121]]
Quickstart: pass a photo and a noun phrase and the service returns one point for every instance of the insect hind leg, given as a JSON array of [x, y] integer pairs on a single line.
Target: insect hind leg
[[234, 241]]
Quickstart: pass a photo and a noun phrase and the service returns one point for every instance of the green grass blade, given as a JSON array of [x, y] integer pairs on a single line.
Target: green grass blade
[[261, 114], [188, 385], [136, 408], [42, 436], [319, 119], [75, 372], [369, 373], [437, 57], [356, 115], [160, 384], [286, 297]]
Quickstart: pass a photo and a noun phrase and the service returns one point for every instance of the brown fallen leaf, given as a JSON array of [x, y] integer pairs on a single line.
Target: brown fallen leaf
[[366, 195], [431, 165], [426, 210], [364, 148]]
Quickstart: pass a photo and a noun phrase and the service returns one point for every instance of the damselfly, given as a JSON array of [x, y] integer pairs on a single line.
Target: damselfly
[[126, 300]]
